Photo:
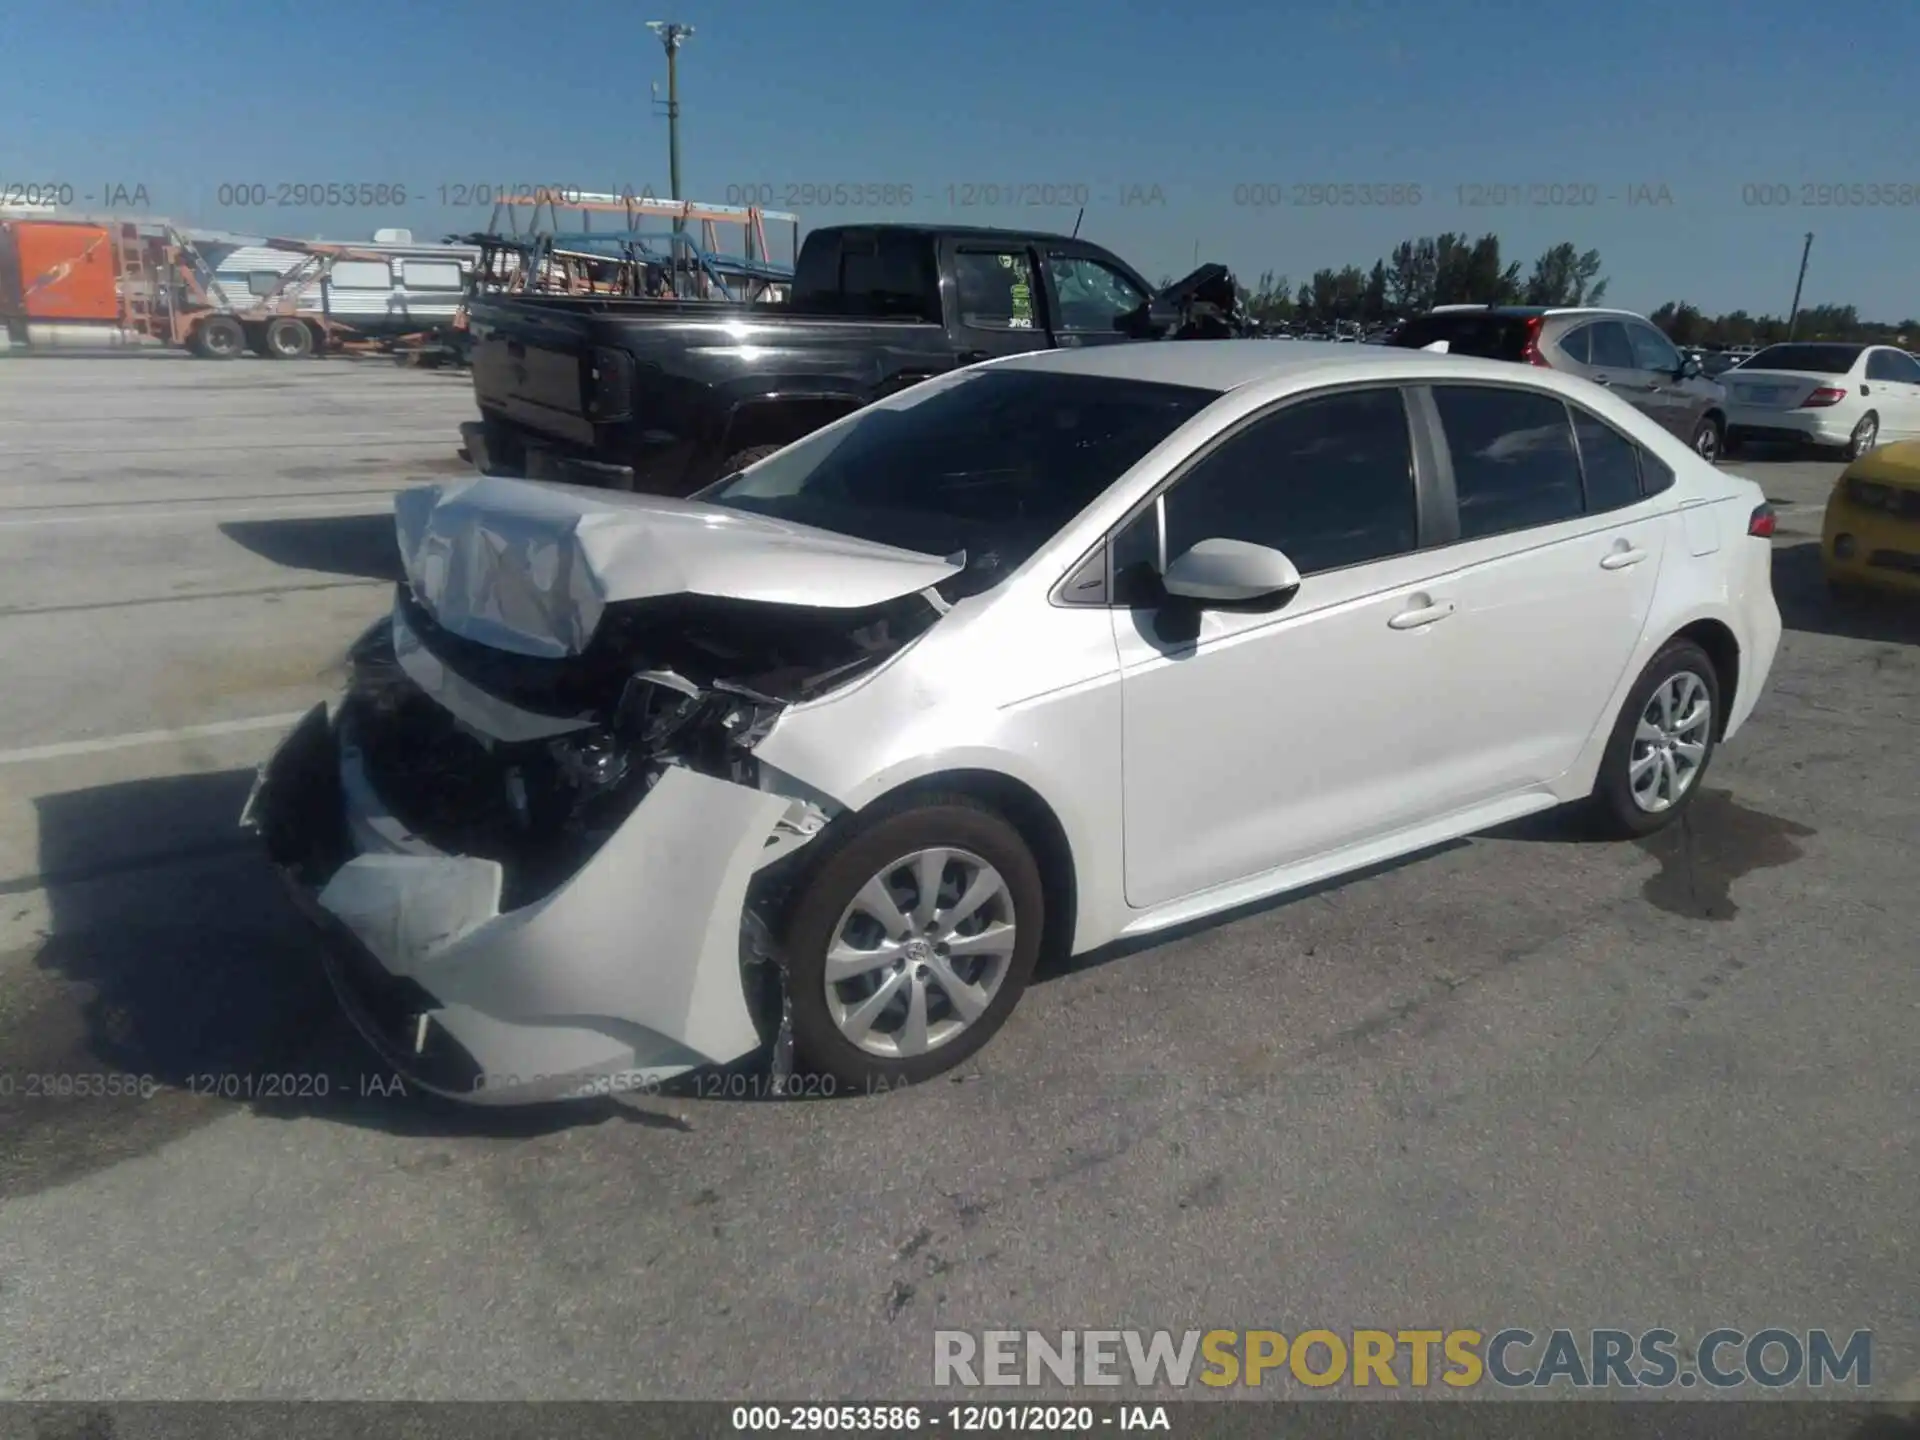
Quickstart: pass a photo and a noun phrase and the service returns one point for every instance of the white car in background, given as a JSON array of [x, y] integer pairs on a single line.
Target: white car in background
[[1043, 654], [1844, 396]]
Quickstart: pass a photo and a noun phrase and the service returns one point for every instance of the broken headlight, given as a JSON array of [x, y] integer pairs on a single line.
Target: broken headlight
[[655, 707]]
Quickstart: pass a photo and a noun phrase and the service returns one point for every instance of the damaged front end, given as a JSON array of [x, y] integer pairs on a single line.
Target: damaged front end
[[547, 876]]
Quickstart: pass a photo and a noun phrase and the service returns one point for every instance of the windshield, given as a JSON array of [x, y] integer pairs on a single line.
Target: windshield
[[1814, 359], [989, 462]]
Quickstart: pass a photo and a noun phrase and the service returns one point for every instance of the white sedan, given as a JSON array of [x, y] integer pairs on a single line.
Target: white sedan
[[1035, 656], [1847, 397]]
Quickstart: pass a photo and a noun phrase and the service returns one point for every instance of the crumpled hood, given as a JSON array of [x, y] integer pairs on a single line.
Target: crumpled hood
[[530, 567]]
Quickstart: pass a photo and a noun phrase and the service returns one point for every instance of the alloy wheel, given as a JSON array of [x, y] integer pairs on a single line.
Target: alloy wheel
[[1670, 742], [920, 952]]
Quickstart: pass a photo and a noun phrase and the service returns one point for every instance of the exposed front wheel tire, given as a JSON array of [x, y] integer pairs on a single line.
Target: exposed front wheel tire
[[909, 941], [1661, 744]]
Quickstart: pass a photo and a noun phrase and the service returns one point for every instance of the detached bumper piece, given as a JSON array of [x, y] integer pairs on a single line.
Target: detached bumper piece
[[627, 974]]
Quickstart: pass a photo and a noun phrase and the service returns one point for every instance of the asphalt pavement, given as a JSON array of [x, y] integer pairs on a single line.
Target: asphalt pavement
[[1520, 1080]]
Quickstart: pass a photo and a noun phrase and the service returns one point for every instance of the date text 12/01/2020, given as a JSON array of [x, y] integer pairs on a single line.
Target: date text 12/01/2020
[[960, 1419]]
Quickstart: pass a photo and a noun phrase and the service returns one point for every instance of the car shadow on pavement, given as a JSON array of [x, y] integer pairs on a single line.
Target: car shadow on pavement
[[172, 981], [362, 546], [1800, 589]]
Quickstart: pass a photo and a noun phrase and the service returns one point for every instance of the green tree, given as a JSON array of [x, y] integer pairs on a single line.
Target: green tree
[[1564, 276]]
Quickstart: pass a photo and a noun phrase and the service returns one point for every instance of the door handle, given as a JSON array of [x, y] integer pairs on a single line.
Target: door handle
[[1621, 559], [1602, 380], [1423, 611], [973, 357]]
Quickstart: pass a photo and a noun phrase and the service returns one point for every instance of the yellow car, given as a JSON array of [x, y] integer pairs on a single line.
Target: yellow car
[[1871, 536]]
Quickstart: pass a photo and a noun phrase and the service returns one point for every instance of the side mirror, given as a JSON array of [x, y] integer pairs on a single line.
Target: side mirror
[[1690, 368], [1231, 572]]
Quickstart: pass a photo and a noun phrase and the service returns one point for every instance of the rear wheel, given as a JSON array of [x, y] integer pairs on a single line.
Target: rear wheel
[[910, 942], [288, 339], [1661, 743], [1865, 436], [218, 337], [1708, 441]]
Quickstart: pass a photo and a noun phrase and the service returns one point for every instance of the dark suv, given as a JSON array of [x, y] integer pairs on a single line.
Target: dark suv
[[1616, 348]]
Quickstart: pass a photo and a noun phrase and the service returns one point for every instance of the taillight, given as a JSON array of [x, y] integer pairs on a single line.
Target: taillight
[[1761, 522], [609, 385], [1530, 352], [1825, 395]]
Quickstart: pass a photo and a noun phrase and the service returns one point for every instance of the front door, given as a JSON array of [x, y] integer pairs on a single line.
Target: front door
[[1661, 393], [1253, 739], [1087, 298]]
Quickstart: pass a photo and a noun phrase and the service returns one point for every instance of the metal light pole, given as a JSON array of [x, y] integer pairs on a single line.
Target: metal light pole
[[1794, 314], [672, 34]]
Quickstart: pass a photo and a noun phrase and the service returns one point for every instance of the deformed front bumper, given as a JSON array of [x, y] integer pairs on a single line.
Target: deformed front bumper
[[628, 974]]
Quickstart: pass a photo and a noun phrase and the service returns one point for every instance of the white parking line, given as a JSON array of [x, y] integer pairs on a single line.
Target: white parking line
[[65, 748], [112, 514]]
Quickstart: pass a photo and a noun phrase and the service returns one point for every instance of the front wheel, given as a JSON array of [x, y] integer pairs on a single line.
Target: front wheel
[[910, 941], [1661, 743]]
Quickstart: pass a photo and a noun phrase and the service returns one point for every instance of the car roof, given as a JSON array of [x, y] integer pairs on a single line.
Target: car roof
[[1225, 365]]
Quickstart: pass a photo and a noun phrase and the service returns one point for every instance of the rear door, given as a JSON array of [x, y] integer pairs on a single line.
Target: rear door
[[995, 304], [1087, 296], [1610, 359], [1553, 572], [1892, 388]]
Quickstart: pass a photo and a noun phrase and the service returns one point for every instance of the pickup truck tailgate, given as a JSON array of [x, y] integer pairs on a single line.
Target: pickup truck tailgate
[[533, 371]]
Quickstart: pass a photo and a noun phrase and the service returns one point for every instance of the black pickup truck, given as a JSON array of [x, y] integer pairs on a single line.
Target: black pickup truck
[[665, 396]]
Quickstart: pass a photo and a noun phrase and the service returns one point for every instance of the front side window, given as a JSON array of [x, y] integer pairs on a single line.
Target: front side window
[[1514, 465], [995, 289], [1652, 350], [988, 463], [1329, 481], [1092, 296]]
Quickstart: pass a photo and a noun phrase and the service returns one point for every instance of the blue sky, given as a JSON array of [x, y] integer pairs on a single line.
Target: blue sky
[[1608, 101]]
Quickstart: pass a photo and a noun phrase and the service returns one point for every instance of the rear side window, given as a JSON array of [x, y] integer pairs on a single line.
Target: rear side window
[[885, 274], [1880, 366], [1329, 481], [995, 289], [1611, 349], [1514, 462], [1655, 474], [1609, 461], [1491, 337], [1576, 345]]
